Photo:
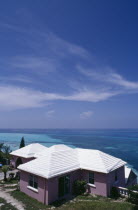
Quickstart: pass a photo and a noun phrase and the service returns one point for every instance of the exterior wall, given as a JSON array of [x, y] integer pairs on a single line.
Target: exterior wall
[[40, 195], [111, 179], [132, 179], [14, 159], [48, 189], [100, 183], [52, 186]]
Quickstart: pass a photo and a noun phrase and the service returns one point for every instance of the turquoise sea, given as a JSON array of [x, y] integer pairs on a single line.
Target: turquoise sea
[[120, 143]]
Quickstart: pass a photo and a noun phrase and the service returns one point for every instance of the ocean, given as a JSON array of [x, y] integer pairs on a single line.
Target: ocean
[[121, 143]]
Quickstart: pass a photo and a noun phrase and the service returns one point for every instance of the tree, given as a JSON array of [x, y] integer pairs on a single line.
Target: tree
[[6, 150], [6, 153], [22, 143], [5, 170], [1, 146]]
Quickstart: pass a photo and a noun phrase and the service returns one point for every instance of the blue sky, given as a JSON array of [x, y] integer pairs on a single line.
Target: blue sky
[[69, 64]]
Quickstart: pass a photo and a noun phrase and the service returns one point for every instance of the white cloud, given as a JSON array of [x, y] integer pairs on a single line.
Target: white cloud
[[119, 80], [13, 97], [65, 61], [17, 78], [109, 77], [50, 113], [86, 115], [33, 63]]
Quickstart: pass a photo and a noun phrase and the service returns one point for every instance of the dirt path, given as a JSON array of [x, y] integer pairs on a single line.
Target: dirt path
[[9, 199]]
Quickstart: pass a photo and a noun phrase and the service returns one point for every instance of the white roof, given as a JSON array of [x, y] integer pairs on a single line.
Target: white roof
[[29, 150], [96, 160], [127, 172], [60, 159], [54, 148]]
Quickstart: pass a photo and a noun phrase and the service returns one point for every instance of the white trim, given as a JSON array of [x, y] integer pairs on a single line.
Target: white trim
[[91, 185], [33, 189]]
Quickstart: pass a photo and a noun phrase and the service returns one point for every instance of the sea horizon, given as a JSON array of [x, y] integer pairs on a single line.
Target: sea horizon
[[121, 143]]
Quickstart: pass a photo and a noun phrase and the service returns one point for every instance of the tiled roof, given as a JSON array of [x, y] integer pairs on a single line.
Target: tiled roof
[[96, 160], [29, 150], [60, 159]]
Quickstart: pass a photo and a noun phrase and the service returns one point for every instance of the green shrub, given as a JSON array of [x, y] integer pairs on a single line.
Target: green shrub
[[134, 187], [114, 193], [79, 187], [133, 194]]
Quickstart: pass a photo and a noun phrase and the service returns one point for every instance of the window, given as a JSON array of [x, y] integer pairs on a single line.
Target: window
[[91, 177], [116, 176], [33, 181], [63, 185]]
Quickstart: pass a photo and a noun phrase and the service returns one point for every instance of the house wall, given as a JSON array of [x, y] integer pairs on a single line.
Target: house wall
[[14, 159], [100, 183], [40, 195], [48, 189], [132, 179], [52, 185], [111, 179]]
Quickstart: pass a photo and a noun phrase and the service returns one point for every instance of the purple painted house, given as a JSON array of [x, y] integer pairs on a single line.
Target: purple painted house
[[25, 154], [48, 174]]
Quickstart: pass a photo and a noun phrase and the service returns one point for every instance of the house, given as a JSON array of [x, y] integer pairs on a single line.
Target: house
[[51, 172], [130, 177], [25, 154]]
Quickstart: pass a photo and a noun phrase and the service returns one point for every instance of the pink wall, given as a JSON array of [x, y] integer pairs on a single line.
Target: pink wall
[[40, 195], [111, 179], [14, 159], [48, 189], [52, 186], [100, 183]]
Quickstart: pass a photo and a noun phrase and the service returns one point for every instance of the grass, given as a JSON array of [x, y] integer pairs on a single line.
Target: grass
[[98, 205], [79, 203], [29, 202], [10, 187], [11, 181], [6, 206]]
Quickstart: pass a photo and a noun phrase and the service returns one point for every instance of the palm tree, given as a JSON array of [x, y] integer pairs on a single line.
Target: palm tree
[[5, 170], [1, 146]]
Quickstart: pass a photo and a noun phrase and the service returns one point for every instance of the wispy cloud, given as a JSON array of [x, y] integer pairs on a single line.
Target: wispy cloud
[[17, 78], [33, 63], [109, 78], [119, 80], [86, 115], [50, 113], [66, 70], [13, 97]]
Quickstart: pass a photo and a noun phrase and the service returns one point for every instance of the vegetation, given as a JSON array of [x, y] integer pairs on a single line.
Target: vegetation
[[5, 170], [4, 153], [133, 194], [114, 193], [83, 202], [4, 205], [79, 187], [1, 146], [96, 205], [22, 143], [29, 202], [9, 181]]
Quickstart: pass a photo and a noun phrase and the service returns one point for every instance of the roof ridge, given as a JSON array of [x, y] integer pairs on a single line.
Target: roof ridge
[[100, 154]]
